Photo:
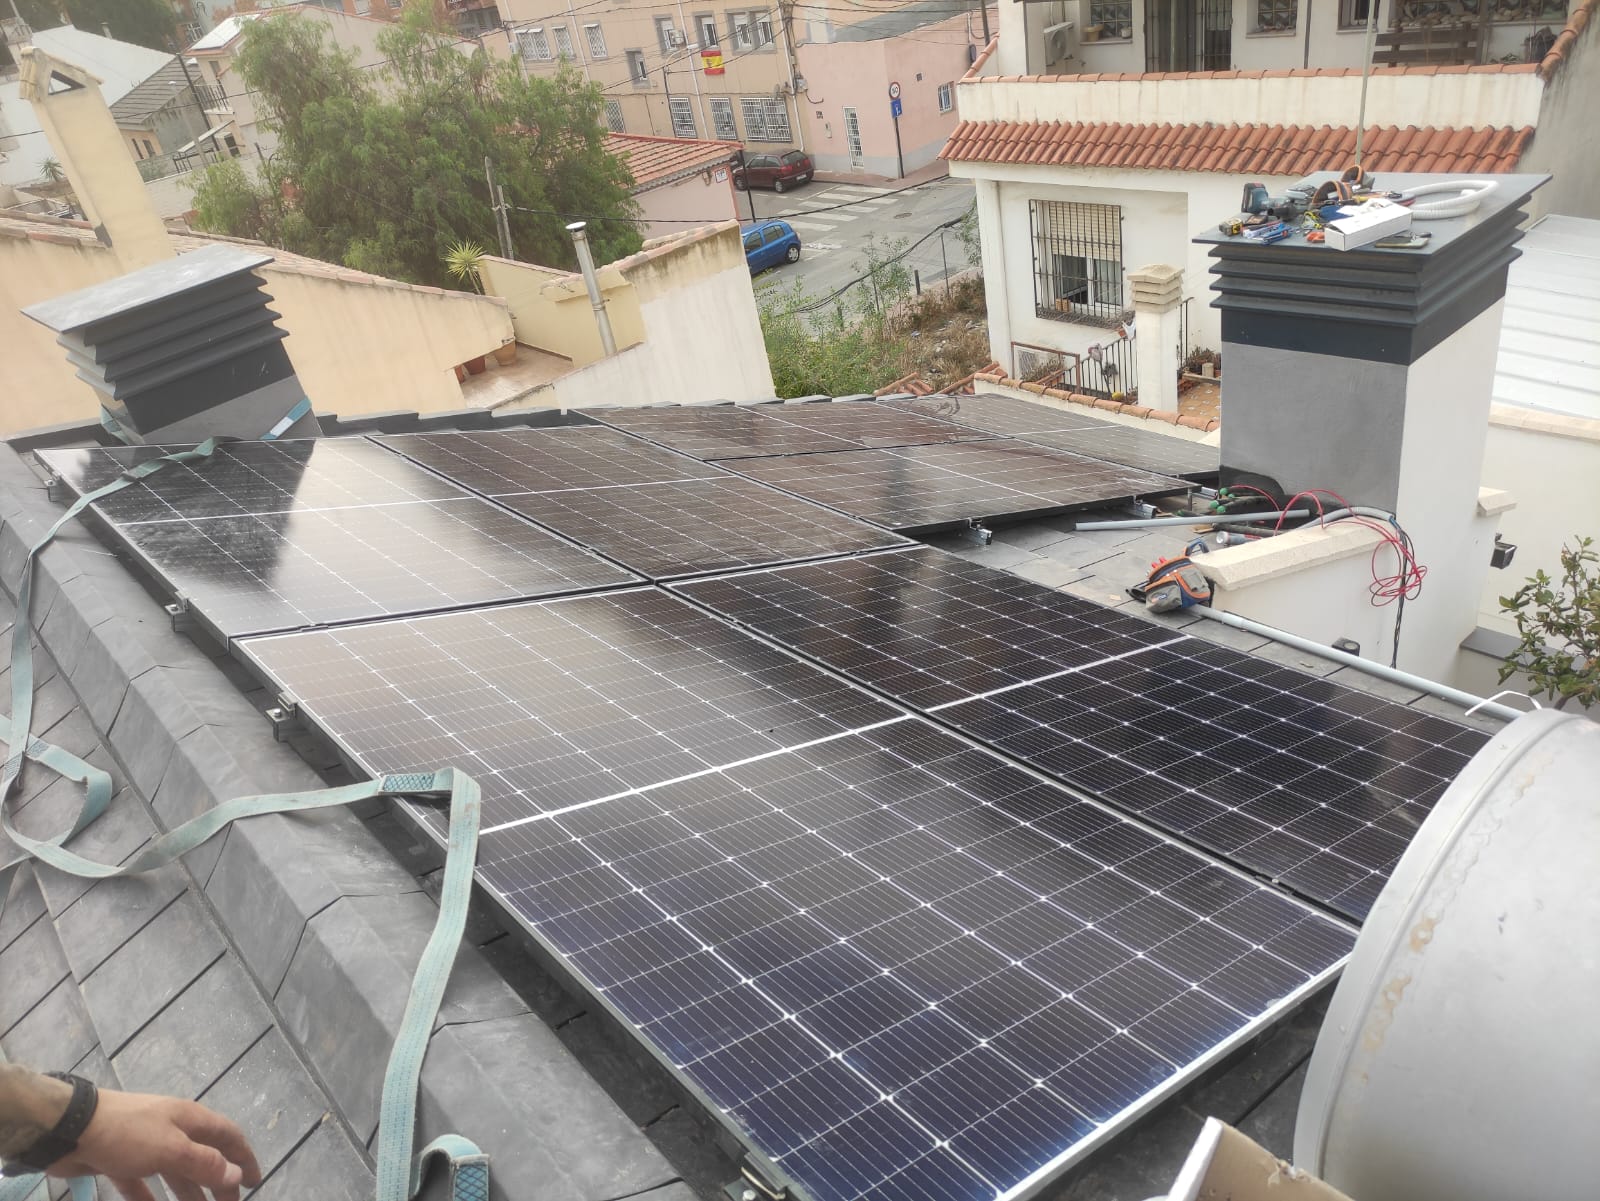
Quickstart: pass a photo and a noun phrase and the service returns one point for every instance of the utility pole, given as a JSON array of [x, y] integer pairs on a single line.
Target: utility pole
[[199, 104], [497, 201], [983, 9]]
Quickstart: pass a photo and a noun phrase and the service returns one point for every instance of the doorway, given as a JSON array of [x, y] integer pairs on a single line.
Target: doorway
[[1189, 35]]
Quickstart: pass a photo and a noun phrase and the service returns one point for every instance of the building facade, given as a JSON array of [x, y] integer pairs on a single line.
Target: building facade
[[1088, 166]]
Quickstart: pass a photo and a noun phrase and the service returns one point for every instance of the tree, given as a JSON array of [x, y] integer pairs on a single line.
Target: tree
[[1558, 623], [143, 22], [386, 166], [40, 14]]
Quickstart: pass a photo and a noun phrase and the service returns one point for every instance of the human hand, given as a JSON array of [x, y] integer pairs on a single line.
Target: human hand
[[134, 1136]]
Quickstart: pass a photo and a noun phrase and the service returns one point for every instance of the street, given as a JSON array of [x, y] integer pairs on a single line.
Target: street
[[834, 219]]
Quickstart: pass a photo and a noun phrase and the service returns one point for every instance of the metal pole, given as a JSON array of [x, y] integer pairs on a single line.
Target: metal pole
[[749, 193], [502, 231], [580, 243], [200, 107], [1366, 72], [1393, 674], [1214, 519], [943, 259], [505, 223], [983, 7], [899, 157]]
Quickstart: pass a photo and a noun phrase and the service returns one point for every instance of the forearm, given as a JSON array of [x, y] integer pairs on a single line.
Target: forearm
[[30, 1106]]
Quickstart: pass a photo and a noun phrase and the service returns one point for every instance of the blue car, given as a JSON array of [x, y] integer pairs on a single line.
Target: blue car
[[769, 243]]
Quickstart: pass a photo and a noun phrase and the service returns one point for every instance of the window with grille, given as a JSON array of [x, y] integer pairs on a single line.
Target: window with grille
[[596, 39], [682, 117], [707, 25], [765, 119], [664, 37], [722, 119], [564, 46], [739, 31], [1077, 260], [1277, 16], [534, 45], [763, 29], [947, 97], [637, 71], [1115, 18], [614, 120], [192, 32]]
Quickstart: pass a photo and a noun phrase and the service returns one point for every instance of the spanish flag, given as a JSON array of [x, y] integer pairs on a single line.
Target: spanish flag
[[711, 61]]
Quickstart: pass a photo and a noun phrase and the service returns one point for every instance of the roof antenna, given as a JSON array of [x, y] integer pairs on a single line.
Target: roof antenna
[[1366, 71]]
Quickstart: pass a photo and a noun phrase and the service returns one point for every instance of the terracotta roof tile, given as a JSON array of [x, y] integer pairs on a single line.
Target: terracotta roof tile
[[1280, 150], [654, 162], [1576, 23]]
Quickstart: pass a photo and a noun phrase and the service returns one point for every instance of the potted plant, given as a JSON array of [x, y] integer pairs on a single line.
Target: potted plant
[[506, 354]]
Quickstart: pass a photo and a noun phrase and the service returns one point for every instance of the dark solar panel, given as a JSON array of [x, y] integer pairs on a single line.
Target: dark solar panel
[[924, 627], [505, 461], [998, 414], [667, 530], [928, 487], [550, 705], [345, 531], [734, 432], [1288, 775], [902, 969], [1145, 449]]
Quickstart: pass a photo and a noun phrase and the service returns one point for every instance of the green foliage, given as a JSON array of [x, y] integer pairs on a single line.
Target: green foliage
[[51, 169], [40, 14], [144, 22], [967, 232], [886, 280], [383, 170], [228, 200], [462, 260], [826, 356], [1559, 626]]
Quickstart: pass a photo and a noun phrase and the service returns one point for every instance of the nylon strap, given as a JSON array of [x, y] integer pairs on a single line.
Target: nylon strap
[[398, 1176]]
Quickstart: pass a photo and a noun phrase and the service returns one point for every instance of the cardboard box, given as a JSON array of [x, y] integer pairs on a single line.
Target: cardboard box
[[1366, 223], [1226, 1166]]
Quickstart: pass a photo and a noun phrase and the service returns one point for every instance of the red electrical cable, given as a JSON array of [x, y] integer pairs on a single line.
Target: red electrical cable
[[1406, 583]]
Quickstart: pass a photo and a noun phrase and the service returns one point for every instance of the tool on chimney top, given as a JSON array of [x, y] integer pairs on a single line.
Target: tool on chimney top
[[1258, 203]]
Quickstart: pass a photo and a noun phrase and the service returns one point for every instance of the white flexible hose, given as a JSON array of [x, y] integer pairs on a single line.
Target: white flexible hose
[[1473, 192]]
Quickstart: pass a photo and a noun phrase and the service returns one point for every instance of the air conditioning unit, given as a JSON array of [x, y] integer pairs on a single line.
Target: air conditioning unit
[[1060, 42], [674, 38]]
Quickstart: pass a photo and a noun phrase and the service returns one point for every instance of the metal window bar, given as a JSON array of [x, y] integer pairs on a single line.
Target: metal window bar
[[722, 119], [1044, 365], [1193, 35], [1276, 16], [1077, 261], [1113, 17], [1111, 370], [682, 112]]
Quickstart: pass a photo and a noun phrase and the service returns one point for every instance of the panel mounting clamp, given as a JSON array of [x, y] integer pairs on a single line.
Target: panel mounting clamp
[[285, 718], [979, 533], [178, 611]]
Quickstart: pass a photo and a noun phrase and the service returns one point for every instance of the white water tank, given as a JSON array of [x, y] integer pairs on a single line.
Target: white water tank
[[1460, 1058]]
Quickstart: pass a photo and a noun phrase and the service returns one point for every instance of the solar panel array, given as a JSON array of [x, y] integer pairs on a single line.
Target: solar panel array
[[899, 965], [1287, 775], [266, 536], [1003, 415], [655, 511], [745, 431], [920, 488]]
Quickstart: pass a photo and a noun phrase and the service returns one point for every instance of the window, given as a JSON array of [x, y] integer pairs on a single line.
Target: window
[[750, 30], [564, 43], [947, 97], [682, 111], [192, 32], [363, 7], [1353, 13], [637, 70], [707, 25], [752, 240], [597, 41], [1276, 16], [1077, 261], [614, 117], [666, 36], [137, 152], [533, 45], [765, 119], [1115, 17], [773, 233], [722, 126]]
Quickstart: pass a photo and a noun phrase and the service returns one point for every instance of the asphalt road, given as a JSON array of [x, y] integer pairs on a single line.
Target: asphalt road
[[834, 220]]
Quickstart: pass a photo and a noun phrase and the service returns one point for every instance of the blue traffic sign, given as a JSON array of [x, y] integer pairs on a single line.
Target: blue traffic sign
[[894, 107]]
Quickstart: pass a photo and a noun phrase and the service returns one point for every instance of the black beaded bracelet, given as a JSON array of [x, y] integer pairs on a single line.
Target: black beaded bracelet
[[62, 1138]]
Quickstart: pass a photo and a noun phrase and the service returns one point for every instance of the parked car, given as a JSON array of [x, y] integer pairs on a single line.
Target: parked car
[[779, 172], [769, 243]]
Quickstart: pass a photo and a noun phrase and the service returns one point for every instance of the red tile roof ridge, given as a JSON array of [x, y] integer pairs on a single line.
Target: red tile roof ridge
[[1574, 26], [983, 57], [1577, 21], [1144, 413]]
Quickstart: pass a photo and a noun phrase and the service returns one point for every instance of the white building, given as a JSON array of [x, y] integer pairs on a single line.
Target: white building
[[1090, 163]]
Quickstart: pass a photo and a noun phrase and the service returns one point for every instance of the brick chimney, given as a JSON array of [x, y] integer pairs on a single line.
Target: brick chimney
[[184, 349], [1369, 372]]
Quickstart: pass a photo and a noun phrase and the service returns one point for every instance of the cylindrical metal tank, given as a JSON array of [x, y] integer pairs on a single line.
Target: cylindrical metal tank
[[1460, 1058]]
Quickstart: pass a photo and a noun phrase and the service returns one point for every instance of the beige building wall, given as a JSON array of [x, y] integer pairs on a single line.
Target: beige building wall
[[703, 199]]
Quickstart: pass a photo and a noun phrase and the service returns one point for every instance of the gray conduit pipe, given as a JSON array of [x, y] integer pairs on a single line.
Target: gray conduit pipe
[[1454, 695], [1214, 519]]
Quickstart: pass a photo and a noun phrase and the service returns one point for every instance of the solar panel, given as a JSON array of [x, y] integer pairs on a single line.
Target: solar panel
[[997, 414], [556, 704], [665, 531], [735, 432], [901, 969], [924, 627], [930, 487], [1139, 448], [502, 462], [1291, 776], [269, 536]]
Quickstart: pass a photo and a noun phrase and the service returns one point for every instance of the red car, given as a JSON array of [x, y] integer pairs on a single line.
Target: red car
[[776, 171]]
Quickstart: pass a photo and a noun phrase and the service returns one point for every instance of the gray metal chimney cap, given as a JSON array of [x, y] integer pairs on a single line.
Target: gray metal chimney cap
[[148, 285]]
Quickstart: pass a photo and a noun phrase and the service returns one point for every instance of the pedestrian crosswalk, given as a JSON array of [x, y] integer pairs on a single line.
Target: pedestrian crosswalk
[[824, 212]]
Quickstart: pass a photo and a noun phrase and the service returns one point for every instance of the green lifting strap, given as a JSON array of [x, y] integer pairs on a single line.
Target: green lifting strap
[[399, 1176]]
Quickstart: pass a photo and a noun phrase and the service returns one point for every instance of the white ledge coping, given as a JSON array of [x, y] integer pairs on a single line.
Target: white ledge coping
[[1494, 501], [1236, 567], [1542, 421]]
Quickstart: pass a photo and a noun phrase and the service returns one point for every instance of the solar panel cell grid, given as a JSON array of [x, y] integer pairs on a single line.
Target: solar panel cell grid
[[675, 529], [998, 414], [901, 965], [733, 432], [1144, 449], [927, 487], [547, 460]]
